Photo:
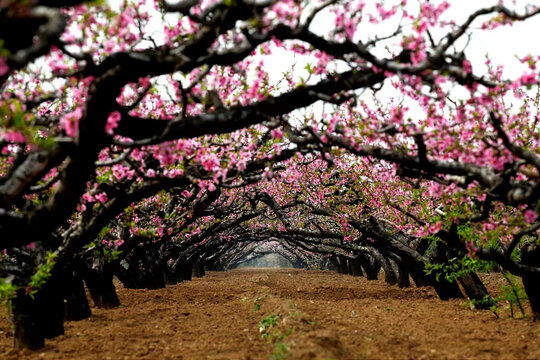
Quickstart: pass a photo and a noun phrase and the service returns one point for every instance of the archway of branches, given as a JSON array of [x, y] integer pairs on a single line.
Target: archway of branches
[[151, 141]]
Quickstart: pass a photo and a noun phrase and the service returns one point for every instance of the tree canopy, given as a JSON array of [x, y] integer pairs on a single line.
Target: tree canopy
[[144, 139]]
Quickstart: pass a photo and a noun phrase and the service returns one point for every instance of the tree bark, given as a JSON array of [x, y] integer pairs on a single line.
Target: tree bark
[[50, 301], [389, 274], [27, 331], [531, 256], [475, 290], [343, 268], [101, 288], [356, 268], [403, 275], [370, 265], [186, 270], [77, 307], [198, 269]]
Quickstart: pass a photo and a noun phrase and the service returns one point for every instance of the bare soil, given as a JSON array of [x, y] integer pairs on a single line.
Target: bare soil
[[287, 314]]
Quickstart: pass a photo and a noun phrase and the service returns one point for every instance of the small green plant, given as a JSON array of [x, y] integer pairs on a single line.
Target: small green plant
[[7, 292], [43, 273], [267, 323], [280, 351], [257, 303], [513, 294], [487, 302]]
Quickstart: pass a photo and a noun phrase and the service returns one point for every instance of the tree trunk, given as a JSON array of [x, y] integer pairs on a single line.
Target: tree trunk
[[198, 269], [186, 270], [101, 288], [215, 267], [476, 291], [332, 264], [370, 265], [389, 274], [342, 266], [438, 254], [446, 290], [403, 276], [531, 256], [77, 307], [27, 332], [356, 268], [50, 301]]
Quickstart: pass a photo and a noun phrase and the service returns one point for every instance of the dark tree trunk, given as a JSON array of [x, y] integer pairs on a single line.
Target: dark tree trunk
[[101, 288], [332, 264], [171, 278], [403, 276], [186, 270], [50, 301], [438, 254], [77, 307], [475, 290], [447, 290], [419, 278], [342, 266], [198, 269], [531, 256], [389, 274], [298, 264], [38, 318], [356, 268], [153, 277], [370, 265], [27, 331]]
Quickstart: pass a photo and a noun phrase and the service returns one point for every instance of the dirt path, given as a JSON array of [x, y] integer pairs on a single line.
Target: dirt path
[[286, 314]]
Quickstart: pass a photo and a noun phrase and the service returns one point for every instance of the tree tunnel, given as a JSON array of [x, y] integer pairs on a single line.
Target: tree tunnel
[[154, 159]]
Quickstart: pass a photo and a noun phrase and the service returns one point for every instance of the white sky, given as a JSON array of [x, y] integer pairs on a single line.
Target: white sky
[[502, 45]]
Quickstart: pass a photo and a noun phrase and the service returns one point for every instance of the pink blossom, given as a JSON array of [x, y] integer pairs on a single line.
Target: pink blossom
[[276, 133], [467, 66], [101, 197], [530, 216], [210, 162], [435, 227], [4, 68], [112, 122], [145, 82], [151, 173], [70, 122], [528, 79], [14, 136]]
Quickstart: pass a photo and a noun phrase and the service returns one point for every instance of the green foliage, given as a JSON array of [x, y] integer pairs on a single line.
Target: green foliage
[[257, 304], [276, 337], [99, 250], [267, 323], [457, 267], [104, 178], [487, 302], [104, 231], [513, 294], [7, 292], [280, 351], [42, 274]]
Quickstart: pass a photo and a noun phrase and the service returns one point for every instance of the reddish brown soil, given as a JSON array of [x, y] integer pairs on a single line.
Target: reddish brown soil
[[319, 315]]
